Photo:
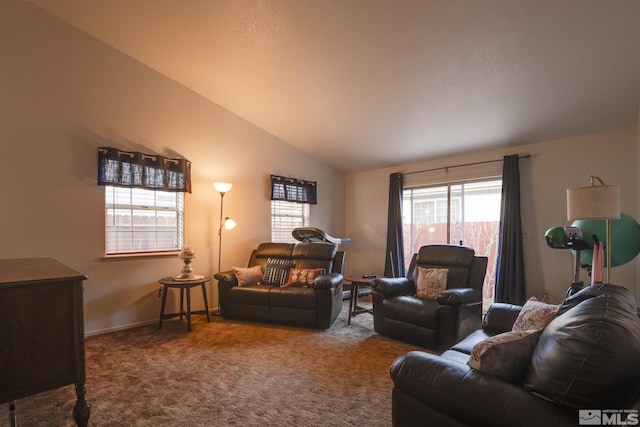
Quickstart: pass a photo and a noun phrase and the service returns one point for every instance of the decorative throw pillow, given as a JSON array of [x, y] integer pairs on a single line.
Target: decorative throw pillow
[[506, 355], [534, 315], [304, 276], [277, 271], [248, 276], [431, 282]]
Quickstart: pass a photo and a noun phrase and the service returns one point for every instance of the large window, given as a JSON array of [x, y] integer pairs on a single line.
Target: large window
[[142, 221], [466, 213], [285, 216]]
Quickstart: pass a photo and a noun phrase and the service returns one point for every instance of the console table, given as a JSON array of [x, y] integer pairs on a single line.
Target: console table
[[41, 331]]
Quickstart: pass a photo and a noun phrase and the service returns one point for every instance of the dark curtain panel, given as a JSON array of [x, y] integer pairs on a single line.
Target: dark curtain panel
[[293, 190], [509, 285], [394, 259], [149, 171]]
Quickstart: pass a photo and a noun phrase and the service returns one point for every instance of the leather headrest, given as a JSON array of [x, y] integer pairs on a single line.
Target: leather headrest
[[451, 255], [314, 250], [274, 250]]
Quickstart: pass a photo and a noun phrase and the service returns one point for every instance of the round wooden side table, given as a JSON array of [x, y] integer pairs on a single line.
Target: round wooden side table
[[356, 283], [184, 285]]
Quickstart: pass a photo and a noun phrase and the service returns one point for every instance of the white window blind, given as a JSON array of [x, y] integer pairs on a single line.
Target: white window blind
[[143, 221], [285, 216]]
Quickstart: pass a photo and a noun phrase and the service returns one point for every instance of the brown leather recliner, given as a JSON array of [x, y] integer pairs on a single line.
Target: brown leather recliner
[[315, 306], [434, 324]]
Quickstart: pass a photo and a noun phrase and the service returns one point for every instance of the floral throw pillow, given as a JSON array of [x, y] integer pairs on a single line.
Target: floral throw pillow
[[304, 276], [534, 315], [431, 282]]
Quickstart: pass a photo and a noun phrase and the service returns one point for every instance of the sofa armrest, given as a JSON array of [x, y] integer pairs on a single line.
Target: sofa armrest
[[471, 396], [226, 277], [392, 287], [458, 297], [327, 281], [500, 317]]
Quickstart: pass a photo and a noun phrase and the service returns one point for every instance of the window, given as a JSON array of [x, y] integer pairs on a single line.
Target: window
[[143, 221], [465, 213], [285, 216]]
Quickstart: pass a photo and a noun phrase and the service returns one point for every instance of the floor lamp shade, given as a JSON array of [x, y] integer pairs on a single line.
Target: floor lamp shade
[[222, 187], [593, 202]]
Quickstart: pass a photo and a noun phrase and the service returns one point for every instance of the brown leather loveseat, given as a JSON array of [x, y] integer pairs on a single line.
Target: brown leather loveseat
[[315, 304]]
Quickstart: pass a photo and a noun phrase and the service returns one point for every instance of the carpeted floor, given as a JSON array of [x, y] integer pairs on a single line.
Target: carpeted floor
[[228, 373]]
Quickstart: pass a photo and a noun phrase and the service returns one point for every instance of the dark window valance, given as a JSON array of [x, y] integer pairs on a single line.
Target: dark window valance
[[149, 171], [293, 190]]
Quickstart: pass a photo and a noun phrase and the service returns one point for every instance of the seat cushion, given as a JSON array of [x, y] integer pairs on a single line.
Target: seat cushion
[[456, 356], [409, 309], [470, 341], [252, 294], [295, 297]]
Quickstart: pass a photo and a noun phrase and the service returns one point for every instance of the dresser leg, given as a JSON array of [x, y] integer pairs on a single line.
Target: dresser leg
[[12, 414], [82, 410]]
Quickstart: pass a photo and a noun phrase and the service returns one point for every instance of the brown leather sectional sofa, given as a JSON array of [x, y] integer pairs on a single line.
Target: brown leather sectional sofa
[[585, 363]]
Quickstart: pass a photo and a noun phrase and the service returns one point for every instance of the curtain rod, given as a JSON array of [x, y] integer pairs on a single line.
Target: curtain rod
[[526, 156]]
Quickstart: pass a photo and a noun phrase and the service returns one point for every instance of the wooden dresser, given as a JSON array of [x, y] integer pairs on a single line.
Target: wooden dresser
[[41, 331]]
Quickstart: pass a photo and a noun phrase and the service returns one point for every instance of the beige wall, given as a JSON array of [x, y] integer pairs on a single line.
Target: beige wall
[[555, 166], [63, 94]]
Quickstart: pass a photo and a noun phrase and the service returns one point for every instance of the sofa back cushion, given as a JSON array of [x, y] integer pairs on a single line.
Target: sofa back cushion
[[457, 259], [264, 251], [314, 255], [303, 255], [588, 356], [620, 293]]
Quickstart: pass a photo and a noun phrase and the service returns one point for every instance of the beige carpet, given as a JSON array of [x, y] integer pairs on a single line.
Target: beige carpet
[[228, 373]]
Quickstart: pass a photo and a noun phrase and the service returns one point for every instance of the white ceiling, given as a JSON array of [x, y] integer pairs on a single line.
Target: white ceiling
[[363, 84]]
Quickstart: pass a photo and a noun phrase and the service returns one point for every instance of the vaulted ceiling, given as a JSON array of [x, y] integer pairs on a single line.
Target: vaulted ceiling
[[363, 84]]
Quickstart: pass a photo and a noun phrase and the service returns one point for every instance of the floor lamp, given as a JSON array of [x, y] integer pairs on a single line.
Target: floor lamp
[[597, 201], [226, 223]]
